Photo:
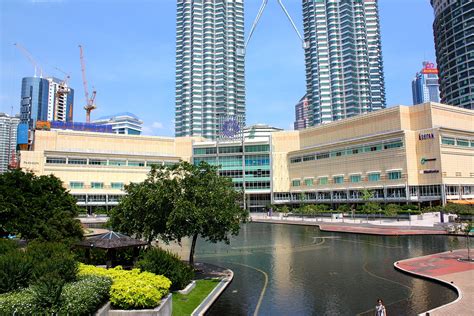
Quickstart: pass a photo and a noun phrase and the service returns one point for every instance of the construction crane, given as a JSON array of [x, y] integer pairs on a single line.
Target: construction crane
[[89, 101], [62, 90], [30, 58]]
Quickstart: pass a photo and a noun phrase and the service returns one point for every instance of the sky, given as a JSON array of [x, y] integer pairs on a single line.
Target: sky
[[129, 48]]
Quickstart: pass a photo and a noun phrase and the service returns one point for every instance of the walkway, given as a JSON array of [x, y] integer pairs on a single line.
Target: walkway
[[355, 227], [445, 267]]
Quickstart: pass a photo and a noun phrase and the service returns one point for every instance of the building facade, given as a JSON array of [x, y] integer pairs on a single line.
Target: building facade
[[34, 101], [401, 154], [302, 114], [210, 81], [8, 136], [425, 85], [344, 71], [453, 29], [122, 123], [60, 101]]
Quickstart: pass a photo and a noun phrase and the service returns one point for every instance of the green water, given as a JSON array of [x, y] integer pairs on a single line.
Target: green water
[[298, 270]]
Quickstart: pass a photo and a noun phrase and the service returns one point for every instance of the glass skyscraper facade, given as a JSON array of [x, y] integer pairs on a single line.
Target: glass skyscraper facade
[[210, 80], [454, 41], [301, 114], [34, 101], [344, 71], [425, 86]]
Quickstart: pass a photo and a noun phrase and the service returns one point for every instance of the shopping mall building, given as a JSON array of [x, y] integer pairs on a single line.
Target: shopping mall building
[[417, 154]]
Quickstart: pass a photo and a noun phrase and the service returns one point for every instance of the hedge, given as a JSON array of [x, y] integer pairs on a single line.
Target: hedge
[[82, 297], [131, 288]]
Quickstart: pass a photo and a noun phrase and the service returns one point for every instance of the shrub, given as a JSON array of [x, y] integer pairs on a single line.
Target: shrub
[[343, 208], [159, 261], [15, 270], [85, 296], [131, 289], [391, 209], [460, 209], [19, 303], [77, 298], [47, 292], [52, 259], [6, 245]]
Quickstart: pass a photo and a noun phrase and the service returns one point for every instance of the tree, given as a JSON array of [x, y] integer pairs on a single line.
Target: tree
[[178, 201], [369, 207], [37, 207]]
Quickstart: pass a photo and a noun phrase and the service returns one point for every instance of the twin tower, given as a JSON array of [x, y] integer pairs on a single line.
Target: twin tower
[[341, 42]]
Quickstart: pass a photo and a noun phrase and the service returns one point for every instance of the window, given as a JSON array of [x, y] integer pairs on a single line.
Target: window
[[355, 178], [322, 155], [448, 141], [338, 179], [116, 185], [308, 182], [373, 177], [56, 160], [101, 162], [295, 159], [76, 185], [323, 180], [117, 162], [97, 185], [462, 142], [136, 163], [395, 144], [308, 158], [295, 183], [230, 150], [394, 175], [205, 151], [77, 161], [154, 163], [257, 148]]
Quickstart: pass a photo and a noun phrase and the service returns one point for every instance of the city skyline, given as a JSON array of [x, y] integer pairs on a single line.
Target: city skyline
[[138, 59]]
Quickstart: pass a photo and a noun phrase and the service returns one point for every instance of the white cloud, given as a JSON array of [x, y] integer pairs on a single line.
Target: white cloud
[[157, 125]]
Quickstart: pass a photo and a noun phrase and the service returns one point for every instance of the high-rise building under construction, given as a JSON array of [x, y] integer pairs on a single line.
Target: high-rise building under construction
[[344, 71], [209, 65]]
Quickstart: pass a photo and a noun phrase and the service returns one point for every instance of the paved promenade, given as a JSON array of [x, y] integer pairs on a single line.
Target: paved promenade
[[382, 227], [447, 268]]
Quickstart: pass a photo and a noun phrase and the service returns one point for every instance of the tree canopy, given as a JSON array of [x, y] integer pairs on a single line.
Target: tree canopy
[[182, 200], [37, 207]]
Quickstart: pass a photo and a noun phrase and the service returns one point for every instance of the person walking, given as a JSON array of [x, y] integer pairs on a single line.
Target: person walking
[[380, 308]]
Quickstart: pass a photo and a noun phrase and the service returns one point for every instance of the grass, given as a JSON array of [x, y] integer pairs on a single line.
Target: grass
[[185, 304]]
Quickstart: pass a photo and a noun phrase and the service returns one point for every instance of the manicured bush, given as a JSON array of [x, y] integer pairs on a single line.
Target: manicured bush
[[82, 297], [19, 303], [15, 270], [159, 261], [47, 292], [131, 288], [391, 209], [85, 296], [460, 209]]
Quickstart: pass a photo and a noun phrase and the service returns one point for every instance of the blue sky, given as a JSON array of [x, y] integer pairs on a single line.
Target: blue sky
[[130, 55]]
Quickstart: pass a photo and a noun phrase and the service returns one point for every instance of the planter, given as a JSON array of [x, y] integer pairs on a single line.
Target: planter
[[188, 288], [164, 309]]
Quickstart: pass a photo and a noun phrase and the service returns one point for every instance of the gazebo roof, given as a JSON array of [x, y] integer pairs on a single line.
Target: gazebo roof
[[111, 240]]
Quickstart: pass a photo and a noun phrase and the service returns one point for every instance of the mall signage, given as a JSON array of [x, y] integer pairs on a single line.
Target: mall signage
[[425, 160]]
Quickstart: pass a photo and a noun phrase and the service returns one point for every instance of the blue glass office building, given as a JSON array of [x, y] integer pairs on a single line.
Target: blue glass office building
[[34, 100], [425, 85]]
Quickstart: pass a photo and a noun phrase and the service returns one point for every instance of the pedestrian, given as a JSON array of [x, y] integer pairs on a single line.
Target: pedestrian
[[380, 308]]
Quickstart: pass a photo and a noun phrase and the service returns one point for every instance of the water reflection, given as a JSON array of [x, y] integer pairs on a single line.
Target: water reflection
[[297, 270]]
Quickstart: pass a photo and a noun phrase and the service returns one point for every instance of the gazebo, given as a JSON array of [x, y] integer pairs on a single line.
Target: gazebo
[[110, 242]]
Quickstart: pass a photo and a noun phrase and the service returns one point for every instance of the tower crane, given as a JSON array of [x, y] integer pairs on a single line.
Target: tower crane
[[89, 101], [30, 58], [62, 90]]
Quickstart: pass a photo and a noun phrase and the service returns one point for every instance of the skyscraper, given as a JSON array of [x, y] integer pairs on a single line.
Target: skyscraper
[[209, 65], [453, 29], [425, 86], [344, 71], [43, 100], [302, 114], [8, 132], [60, 101]]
